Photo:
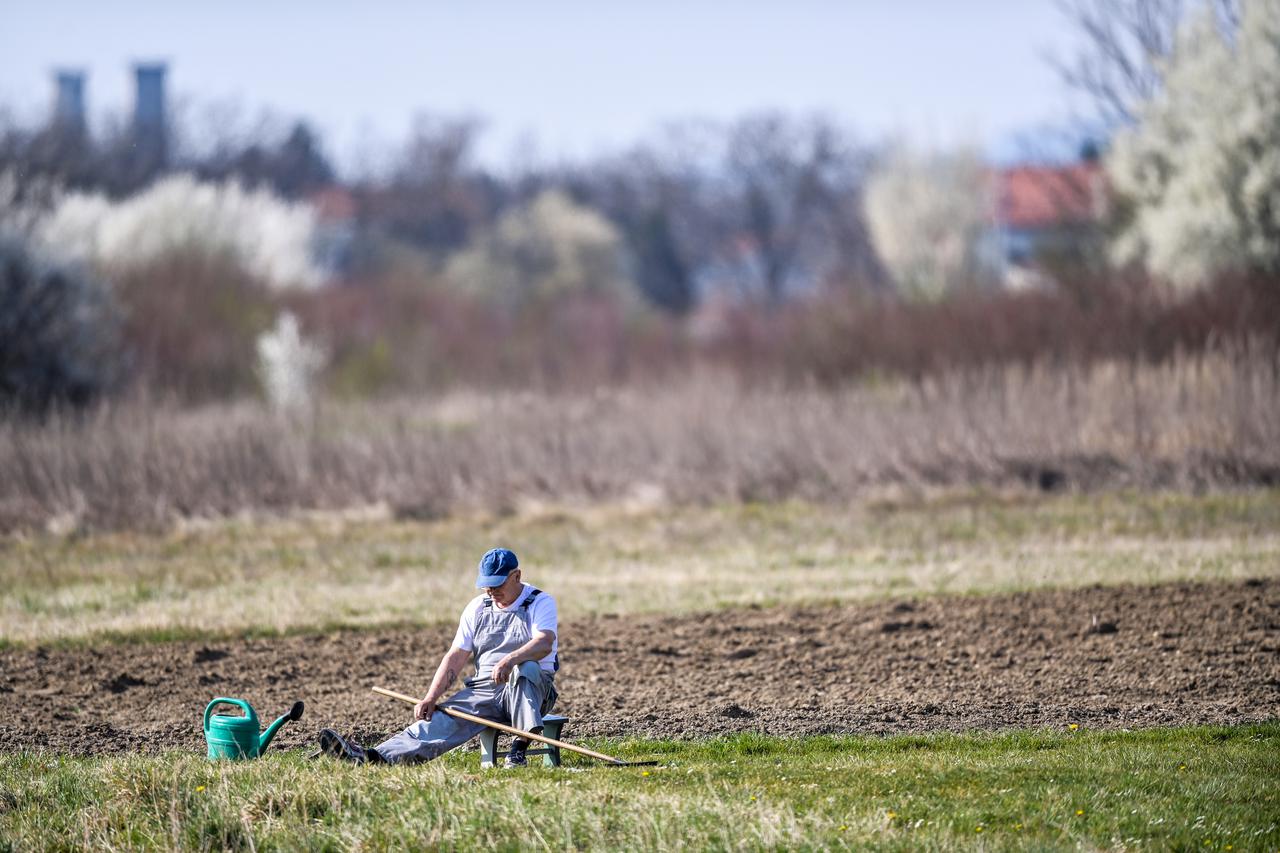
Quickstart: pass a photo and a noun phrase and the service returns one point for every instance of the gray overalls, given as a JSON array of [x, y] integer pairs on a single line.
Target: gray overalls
[[528, 694]]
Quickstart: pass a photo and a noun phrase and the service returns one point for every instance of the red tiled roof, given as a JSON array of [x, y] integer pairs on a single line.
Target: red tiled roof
[[1049, 196]]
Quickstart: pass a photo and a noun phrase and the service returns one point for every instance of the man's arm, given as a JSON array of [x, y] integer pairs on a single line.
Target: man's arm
[[536, 649], [450, 667]]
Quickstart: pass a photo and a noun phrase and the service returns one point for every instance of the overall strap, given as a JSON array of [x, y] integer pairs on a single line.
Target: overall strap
[[534, 592]]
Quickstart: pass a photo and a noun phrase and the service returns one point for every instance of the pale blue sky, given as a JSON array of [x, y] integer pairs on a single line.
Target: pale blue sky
[[576, 77]]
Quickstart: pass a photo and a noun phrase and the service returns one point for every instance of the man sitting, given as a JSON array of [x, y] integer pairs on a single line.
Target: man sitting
[[510, 633]]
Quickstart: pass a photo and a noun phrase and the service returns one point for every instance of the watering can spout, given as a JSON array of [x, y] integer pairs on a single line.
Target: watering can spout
[[295, 713]]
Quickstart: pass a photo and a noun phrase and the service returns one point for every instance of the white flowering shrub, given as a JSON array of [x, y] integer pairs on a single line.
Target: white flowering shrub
[[288, 365], [930, 217], [1201, 168], [550, 248], [271, 238]]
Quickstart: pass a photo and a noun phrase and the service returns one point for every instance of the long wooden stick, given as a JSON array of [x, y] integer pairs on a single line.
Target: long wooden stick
[[511, 730]]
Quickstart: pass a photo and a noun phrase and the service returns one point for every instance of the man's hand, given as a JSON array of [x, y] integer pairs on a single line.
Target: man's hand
[[538, 647], [424, 709], [502, 671]]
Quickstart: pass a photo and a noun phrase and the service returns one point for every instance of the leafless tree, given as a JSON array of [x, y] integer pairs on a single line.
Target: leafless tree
[[765, 207], [1123, 44], [434, 195], [795, 186], [657, 194], [290, 161]]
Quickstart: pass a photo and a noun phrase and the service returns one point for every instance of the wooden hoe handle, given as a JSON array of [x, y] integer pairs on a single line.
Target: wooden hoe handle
[[511, 730]]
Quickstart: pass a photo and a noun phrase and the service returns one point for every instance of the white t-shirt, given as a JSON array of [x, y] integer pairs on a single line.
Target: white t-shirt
[[543, 616]]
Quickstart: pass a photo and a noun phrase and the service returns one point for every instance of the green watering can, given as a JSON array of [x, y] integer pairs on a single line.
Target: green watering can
[[237, 737]]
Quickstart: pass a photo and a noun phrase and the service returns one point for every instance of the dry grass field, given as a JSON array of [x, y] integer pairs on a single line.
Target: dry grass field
[[1186, 424], [332, 569]]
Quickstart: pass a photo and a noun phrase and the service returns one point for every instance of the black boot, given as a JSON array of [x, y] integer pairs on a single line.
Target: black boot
[[515, 755], [336, 746]]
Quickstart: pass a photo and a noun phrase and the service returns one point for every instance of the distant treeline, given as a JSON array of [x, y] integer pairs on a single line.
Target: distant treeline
[[767, 205], [741, 247]]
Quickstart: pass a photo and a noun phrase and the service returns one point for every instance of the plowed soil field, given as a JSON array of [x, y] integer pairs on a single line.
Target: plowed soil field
[[1102, 657]]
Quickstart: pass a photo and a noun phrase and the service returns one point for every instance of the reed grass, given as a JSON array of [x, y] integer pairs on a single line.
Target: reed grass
[[1188, 424]]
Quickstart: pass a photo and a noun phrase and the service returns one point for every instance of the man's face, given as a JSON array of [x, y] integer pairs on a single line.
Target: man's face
[[508, 592]]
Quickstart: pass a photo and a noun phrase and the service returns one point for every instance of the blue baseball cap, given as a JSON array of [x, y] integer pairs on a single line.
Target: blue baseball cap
[[495, 567]]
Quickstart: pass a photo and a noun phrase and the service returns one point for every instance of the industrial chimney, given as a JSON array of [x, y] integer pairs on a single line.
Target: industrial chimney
[[149, 127], [148, 109], [68, 102]]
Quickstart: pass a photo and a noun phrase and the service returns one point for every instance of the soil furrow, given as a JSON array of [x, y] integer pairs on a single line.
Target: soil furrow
[[1102, 657]]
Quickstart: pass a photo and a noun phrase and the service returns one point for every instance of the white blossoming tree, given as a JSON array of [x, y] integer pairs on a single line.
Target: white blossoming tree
[[270, 237], [288, 365], [550, 248], [930, 217], [1200, 170]]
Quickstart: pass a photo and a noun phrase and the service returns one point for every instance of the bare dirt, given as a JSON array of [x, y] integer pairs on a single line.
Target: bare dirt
[[1114, 657]]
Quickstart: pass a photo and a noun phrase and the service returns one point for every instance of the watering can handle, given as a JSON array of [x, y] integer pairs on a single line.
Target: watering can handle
[[222, 700]]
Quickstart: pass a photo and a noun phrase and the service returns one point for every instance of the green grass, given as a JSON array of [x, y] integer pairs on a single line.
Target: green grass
[[1200, 788], [332, 570]]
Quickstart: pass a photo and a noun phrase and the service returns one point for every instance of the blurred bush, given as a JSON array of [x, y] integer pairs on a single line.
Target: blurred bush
[[288, 365], [406, 334], [271, 238], [58, 333], [931, 217], [198, 271], [547, 250], [1100, 320], [1199, 172], [191, 324]]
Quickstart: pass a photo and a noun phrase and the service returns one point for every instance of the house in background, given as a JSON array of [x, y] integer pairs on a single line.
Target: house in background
[[1045, 215]]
